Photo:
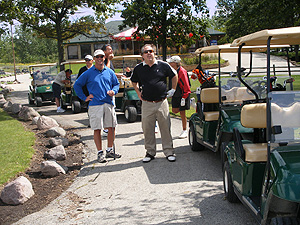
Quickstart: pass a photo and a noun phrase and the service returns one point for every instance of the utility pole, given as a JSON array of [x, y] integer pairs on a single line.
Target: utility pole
[[13, 49]]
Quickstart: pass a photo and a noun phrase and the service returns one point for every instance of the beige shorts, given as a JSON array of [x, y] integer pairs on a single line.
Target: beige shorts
[[102, 116]]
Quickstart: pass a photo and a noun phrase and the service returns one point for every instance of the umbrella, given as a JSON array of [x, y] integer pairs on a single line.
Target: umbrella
[[125, 35]]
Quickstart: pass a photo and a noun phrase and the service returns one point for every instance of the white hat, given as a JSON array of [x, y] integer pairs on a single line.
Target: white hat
[[175, 59], [98, 52], [88, 57]]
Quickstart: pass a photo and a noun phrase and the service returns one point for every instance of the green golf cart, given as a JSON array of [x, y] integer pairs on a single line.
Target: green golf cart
[[40, 89], [262, 169]]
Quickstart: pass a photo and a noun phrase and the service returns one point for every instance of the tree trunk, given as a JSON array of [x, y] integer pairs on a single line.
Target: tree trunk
[[60, 47], [297, 53]]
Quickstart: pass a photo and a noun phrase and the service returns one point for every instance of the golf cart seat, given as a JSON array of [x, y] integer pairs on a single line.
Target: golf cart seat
[[254, 116], [124, 83], [210, 96], [236, 95]]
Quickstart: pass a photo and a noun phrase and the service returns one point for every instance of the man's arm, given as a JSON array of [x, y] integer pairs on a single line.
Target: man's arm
[[136, 88]]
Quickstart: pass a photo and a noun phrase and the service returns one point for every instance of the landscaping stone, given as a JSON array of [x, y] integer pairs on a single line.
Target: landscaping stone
[[2, 102], [45, 122], [16, 108], [58, 141], [51, 169], [56, 131], [35, 119], [28, 113], [58, 153], [17, 192], [7, 106]]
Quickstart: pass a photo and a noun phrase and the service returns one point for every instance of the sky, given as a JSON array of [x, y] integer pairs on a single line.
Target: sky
[[211, 4]]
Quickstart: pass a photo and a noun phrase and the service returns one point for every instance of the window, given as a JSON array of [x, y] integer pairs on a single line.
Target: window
[[85, 50], [72, 52], [98, 46]]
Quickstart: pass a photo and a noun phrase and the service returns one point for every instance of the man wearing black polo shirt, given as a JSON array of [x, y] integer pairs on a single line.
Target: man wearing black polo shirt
[[149, 80]]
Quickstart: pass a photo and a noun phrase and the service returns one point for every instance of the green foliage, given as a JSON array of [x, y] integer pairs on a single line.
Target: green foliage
[[15, 147], [169, 23], [205, 59]]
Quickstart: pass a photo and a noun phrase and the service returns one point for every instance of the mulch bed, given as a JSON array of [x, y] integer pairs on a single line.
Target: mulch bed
[[46, 189]]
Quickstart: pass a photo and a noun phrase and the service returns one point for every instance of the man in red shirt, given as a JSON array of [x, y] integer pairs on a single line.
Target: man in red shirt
[[181, 97]]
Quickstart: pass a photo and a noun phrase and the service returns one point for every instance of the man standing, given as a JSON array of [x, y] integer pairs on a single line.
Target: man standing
[[102, 85], [149, 80], [62, 78], [89, 63], [181, 97]]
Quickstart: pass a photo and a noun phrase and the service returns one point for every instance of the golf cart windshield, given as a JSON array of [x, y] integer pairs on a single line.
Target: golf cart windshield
[[43, 75], [285, 114]]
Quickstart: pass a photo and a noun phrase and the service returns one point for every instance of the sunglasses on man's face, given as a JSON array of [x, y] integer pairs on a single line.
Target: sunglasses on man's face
[[148, 51], [87, 60], [99, 56]]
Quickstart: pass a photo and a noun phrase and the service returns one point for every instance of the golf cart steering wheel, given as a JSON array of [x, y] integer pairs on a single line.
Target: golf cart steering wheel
[[258, 86]]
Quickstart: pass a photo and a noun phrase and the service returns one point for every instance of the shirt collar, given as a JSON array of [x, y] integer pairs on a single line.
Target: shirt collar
[[155, 62]]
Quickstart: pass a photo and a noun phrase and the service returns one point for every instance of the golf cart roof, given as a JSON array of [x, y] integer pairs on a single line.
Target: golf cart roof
[[227, 48], [41, 65], [289, 35], [73, 62], [128, 57]]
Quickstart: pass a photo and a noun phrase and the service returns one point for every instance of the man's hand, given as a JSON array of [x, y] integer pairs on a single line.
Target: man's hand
[[182, 103], [111, 93], [170, 93], [89, 98]]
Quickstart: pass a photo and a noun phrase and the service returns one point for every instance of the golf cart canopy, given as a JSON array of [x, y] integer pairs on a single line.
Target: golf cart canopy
[[41, 65], [227, 48], [289, 35], [127, 57]]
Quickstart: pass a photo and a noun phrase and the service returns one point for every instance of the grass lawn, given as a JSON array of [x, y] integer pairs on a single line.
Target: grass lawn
[[16, 147]]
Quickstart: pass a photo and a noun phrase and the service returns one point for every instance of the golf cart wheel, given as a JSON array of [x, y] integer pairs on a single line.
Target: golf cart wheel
[[285, 221], [195, 146], [228, 185], [76, 107], [30, 101], [130, 113], [62, 105], [38, 101]]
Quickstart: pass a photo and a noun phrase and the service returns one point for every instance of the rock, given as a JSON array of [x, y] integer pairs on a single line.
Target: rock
[[45, 122], [2, 102], [58, 153], [35, 119], [27, 113], [51, 169], [58, 141], [16, 108], [7, 106], [17, 192], [1, 96], [56, 131]]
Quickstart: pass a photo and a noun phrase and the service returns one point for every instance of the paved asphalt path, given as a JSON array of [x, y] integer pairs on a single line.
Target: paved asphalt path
[[126, 191]]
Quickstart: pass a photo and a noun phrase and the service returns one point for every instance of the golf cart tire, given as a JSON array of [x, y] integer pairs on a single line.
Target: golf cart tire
[[228, 185], [38, 101], [285, 221], [62, 105], [30, 101], [195, 146], [130, 113], [76, 107]]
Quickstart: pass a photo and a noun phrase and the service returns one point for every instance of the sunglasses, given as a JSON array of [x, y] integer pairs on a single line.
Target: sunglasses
[[87, 60], [99, 56], [148, 51]]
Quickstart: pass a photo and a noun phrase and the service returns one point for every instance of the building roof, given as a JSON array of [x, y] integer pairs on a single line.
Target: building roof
[[112, 28], [213, 32]]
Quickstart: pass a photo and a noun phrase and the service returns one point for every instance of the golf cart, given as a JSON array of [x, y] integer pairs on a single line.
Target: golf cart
[[40, 89], [127, 100], [262, 169], [68, 94], [219, 107]]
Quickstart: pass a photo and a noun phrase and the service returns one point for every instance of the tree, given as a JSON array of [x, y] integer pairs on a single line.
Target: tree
[[168, 22], [51, 18]]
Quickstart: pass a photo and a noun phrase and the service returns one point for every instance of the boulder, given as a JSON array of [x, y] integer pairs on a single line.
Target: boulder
[[51, 169], [58, 153], [45, 122], [35, 119], [2, 102], [27, 113], [1, 96], [56, 131], [16, 108], [7, 106], [58, 141], [17, 192]]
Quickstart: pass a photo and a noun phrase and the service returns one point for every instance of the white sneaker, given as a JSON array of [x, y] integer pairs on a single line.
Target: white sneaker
[[60, 110], [104, 133], [193, 103], [171, 158], [183, 134], [156, 129]]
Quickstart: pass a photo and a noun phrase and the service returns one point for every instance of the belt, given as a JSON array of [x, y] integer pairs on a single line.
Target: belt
[[155, 101]]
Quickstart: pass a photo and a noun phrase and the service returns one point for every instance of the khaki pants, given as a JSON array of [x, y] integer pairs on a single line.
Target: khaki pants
[[152, 111]]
